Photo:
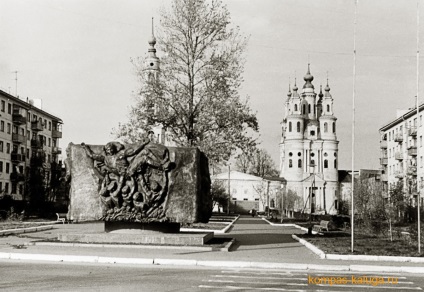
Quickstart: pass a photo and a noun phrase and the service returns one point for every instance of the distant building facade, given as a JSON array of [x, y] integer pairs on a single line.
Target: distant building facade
[[249, 191], [401, 145], [309, 148], [27, 134]]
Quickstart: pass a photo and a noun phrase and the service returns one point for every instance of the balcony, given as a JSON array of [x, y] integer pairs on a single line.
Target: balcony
[[56, 134], [412, 150], [17, 158], [18, 138], [383, 144], [412, 131], [398, 156], [18, 116], [37, 125], [36, 143], [412, 170], [383, 161], [399, 174], [56, 150], [399, 137], [16, 177]]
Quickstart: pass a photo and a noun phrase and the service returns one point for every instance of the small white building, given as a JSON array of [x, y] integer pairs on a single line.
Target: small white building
[[250, 192]]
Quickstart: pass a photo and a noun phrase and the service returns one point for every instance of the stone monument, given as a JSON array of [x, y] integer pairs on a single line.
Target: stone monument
[[143, 185]]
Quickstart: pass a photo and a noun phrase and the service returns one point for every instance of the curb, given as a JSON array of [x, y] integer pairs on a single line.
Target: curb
[[25, 230], [354, 257], [215, 231], [206, 263], [289, 225]]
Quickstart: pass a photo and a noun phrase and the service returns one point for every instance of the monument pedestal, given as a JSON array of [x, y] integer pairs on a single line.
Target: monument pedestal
[[178, 239], [143, 228]]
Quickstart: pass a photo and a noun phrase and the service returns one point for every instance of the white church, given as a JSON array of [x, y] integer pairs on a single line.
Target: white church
[[309, 148]]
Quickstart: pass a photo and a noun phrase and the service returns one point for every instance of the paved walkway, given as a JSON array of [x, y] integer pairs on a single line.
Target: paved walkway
[[256, 241]]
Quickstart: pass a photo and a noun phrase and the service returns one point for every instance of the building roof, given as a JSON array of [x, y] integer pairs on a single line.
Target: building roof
[[236, 175], [29, 106], [401, 118]]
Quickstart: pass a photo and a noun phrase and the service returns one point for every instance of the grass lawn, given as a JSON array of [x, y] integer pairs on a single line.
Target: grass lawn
[[364, 244]]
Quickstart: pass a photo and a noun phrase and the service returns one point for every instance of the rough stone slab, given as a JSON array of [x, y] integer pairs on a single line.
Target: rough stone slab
[[159, 239], [188, 199]]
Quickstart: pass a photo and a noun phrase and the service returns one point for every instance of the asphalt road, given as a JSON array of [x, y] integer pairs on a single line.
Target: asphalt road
[[35, 276]]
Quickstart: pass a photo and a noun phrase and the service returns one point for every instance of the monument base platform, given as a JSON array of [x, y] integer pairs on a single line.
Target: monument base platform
[[139, 227], [180, 239]]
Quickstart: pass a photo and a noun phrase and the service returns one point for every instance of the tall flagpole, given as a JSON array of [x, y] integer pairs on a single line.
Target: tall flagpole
[[418, 124], [353, 129]]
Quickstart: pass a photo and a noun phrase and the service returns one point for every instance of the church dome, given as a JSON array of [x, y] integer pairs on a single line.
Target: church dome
[[308, 79]]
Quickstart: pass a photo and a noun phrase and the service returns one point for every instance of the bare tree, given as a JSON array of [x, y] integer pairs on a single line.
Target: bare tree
[[196, 95], [262, 164]]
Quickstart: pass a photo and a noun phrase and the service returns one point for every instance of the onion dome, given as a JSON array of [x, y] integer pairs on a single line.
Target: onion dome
[[320, 95], [327, 90], [152, 40], [295, 86], [308, 79]]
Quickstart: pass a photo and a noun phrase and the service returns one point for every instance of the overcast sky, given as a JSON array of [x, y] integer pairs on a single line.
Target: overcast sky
[[75, 56]]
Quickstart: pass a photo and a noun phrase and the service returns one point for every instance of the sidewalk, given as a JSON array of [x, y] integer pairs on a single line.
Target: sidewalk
[[258, 245]]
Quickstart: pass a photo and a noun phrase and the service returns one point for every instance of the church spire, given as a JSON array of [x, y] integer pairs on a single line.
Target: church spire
[[152, 61]]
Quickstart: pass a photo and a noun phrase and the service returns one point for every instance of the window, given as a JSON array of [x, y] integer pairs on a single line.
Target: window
[[3, 106], [8, 128], [309, 108], [28, 135], [290, 126], [50, 142], [50, 126], [325, 163], [312, 133], [295, 107], [9, 108], [7, 167], [2, 126], [334, 127], [45, 124], [7, 148], [304, 109], [299, 163], [325, 127], [6, 187], [291, 163], [298, 127], [1, 146], [335, 163], [1, 168], [328, 108]]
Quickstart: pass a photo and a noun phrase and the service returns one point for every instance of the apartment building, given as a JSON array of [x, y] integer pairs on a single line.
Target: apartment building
[[402, 152], [29, 137]]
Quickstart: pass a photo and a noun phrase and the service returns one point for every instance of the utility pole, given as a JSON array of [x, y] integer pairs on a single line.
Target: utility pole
[[229, 190], [353, 128], [417, 125], [267, 196]]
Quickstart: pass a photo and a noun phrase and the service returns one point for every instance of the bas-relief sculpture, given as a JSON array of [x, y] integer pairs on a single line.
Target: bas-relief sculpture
[[141, 182]]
